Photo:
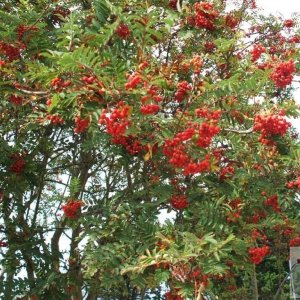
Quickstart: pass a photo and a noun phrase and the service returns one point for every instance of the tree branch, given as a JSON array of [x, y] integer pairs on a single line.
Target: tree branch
[[44, 93], [247, 131]]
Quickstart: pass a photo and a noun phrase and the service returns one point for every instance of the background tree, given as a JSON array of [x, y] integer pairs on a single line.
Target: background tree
[[115, 113]]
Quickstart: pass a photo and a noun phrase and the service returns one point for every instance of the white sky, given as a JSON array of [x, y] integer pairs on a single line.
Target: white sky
[[284, 7]]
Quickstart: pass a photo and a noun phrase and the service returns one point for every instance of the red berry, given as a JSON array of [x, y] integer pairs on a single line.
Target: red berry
[[179, 202], [257, 254], [10, 51], [289, 23], [18, 164], [257, 51], [81, 124], [270, 125], [116, 120], [150, 109], [205, 15], [16, 100], [123, 31], [182, 91], [273, 202], [282, 74], [72, 208], [295, 242]]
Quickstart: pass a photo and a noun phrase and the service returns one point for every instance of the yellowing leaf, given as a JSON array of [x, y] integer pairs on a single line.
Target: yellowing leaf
[[148, 155]]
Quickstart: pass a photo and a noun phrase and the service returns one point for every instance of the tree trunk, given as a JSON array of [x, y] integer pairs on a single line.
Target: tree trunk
[[254, 284]]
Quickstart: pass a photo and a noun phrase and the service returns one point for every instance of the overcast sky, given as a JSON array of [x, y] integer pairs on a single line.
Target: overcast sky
[[284, 7]]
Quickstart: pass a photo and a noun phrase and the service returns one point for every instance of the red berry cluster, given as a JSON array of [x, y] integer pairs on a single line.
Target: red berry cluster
[[170, 145], [182, 91], [72, 208], [272, 201], [184, 135], [232, 217], [257, 254], [150, 109], [218, 153], [123, 31], [132, 145], [206, 134], [16, 100], [175, 149], [257, 51], [295, 242], [282, 74], [294, 184], [18, 164], [231, 21], [205, 15], [235, 214], [270, 125], [88, 79], [10, 51], [208, 114], [55, 119], [152, 94], [133, 81], [256, 235], [184, 272], [173, 296], [197, 63], [258, 215], [179, 202], [235, 203], [197, 167], [179, 158], [59, 84], [49, 102], [172, 4], [288, 23], [117, 121], [81, 124], [144, 65], [284, 229], [226, 172], [209, 46], [23, 29], [294, 39], [199, 278], [288, 231]]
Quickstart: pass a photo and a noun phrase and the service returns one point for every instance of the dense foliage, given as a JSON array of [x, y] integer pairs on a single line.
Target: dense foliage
[[117, 115]]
